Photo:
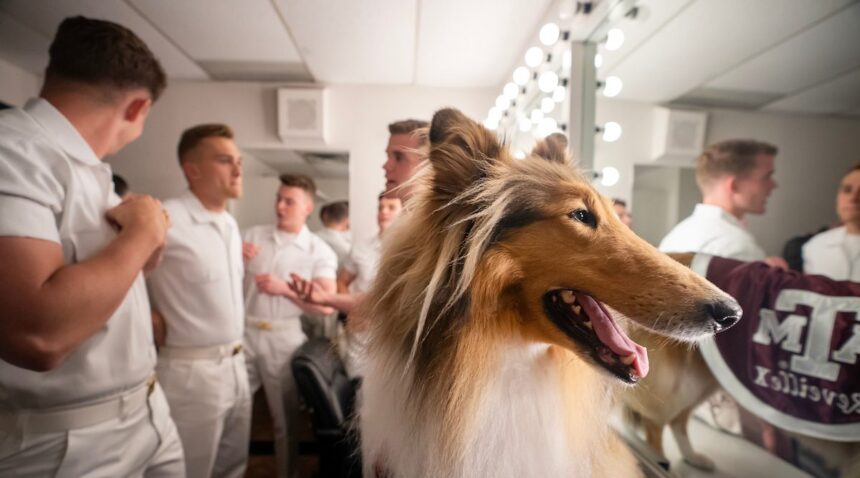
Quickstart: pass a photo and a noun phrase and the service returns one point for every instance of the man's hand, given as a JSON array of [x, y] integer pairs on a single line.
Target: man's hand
[[159, 328], [249, 251], [776, 261], [269, 284], [141, 215], [307, 291]]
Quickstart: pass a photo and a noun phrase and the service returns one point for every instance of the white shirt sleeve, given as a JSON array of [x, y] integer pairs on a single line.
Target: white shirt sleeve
[[31, 195], [325, 265]]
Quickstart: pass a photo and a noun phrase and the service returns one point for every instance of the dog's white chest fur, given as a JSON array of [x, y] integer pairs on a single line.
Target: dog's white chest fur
[[519, 429]]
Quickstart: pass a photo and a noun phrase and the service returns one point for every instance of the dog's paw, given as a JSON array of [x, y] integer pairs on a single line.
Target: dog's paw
[[700, 461]]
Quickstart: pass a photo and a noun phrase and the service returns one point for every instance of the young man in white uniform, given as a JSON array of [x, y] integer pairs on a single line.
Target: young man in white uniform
[[354, 279], [78, 395], [198, 309], [273, 330], [836, 253], [736, 179], [336, 233]]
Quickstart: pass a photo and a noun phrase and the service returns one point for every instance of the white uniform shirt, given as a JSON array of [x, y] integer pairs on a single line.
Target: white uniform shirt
[[53, 187], [339, 241], [280, 254], [712, 230], [363, 262], [834, 254], [198, 286]]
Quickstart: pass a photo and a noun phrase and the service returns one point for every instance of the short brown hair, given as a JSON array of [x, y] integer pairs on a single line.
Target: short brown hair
[[192, 136], [105, 54], [299, 181], [410, 126], [334, 212], [736, 157]]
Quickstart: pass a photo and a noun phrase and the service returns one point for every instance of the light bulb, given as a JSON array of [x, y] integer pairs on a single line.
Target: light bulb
[[547, 81], [549, 34], [534, 56], [502, 102], [521, 75], [536, 116], [490, 124], [525, 124], [611, 132], [547, 105], [614, 39], [547, 126], [511, 91], [609, 176], [520, 154], [612, 86], [494, 114], [598, 60], [558, 94]]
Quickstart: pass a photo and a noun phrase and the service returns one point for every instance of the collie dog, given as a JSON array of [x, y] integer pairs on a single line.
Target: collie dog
[[493, 351]]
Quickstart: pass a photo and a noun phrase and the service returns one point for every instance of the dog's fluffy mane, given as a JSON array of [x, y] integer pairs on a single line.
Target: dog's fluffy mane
[[437, 335]]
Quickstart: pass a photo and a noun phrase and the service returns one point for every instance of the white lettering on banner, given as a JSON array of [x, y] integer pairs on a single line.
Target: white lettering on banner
[[815, 360], [851, 349], [791, 384], [788, 331]]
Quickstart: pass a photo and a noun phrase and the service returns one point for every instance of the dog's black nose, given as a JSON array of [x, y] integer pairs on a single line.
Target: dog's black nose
[[724, 312]]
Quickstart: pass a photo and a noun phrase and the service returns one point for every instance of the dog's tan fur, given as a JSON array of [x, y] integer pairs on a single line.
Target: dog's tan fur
[[458, 293]]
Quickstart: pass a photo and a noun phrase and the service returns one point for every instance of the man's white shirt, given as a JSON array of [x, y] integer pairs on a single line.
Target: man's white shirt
[[281, 253], [339, 241], [712, 230], [833, 253], [198, 286], [53, 187], [363, 262]]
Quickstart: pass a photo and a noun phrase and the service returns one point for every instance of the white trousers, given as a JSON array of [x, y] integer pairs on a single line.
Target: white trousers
[[211, 405], [143, 444], [268, 354]]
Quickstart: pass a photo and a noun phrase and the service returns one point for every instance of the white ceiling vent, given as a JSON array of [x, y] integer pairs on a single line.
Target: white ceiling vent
[[679, 135], [301, 114]]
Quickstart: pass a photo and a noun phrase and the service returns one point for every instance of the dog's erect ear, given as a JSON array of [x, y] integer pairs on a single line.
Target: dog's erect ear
[[461, 151], [553, 148]]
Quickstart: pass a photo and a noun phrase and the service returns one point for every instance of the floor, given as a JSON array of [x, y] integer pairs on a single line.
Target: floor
[[261, 462]]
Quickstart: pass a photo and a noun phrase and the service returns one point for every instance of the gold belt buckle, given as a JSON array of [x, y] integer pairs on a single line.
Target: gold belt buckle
[[237, 349], [263, 325], [150, 385]]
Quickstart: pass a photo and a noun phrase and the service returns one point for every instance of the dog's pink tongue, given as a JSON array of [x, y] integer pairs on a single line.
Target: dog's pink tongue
[[612, 336]]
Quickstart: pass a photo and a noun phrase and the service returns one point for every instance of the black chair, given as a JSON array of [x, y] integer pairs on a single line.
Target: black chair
[[322, 382]]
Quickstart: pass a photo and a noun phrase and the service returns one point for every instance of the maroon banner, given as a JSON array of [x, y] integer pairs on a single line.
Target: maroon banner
[[793, 357]]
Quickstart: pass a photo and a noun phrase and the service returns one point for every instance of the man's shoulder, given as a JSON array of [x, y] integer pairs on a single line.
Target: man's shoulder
[[258, 230], [832, 236], [320, 247]]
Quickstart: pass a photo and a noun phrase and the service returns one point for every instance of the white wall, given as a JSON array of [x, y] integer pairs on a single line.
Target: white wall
[[815, 151], [357, 117], [17, 85]]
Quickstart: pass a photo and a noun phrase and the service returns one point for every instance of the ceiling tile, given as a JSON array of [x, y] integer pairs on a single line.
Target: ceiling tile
[[350, 42], [827, 49], [247, 30], [44, 17], [479, 48]]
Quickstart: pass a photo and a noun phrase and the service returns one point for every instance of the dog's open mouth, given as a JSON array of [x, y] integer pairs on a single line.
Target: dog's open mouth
[[587, 321]]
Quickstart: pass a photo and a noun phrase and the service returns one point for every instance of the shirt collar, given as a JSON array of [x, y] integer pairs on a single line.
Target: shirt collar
[[711, 211], [61, 130], [302, 240], [198, 212]]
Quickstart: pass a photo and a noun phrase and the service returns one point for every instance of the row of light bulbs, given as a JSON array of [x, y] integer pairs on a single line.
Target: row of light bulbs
[[552, 87]]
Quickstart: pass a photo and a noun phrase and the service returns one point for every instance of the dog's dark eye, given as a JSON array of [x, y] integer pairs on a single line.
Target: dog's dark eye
[[583, 216]]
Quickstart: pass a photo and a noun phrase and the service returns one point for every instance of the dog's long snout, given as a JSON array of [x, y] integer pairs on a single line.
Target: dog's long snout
[[724, 312]]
